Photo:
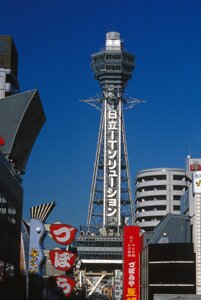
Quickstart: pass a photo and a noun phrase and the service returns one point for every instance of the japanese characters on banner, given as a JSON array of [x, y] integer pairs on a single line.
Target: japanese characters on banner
[[194, 164], [131, 263], [197, 182], [36, 255], [61, 259], [62, 233], [67, 284], [112, 165]]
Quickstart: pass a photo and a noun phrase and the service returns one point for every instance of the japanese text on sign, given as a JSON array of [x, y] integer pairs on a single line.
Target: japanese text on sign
[[62, 233], [34, 261], [62, 260], [131, 263], [112, 171]]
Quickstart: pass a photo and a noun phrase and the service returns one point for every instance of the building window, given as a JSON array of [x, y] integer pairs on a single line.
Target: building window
[[179, 188], [151, 198], [9, 270], [6, 270], [7, 210], [176, 197], [176, 207], [1, 270], [113, 57], [113, 67], [151, 178], [11, 214], [179, 177], [3, 205]]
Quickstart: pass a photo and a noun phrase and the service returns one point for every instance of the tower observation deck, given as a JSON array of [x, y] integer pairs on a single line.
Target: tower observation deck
[[113, 65], [110, 204]]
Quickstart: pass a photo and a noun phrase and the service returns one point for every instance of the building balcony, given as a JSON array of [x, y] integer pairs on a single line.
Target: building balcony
[[146, 224], [151, 183], [154, 213], [152, 193], [153, 203]]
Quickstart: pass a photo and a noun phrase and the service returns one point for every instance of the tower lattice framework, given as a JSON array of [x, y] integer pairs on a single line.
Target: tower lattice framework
[[111, 205]]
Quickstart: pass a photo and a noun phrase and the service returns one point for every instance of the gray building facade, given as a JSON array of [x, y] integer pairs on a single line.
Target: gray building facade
[[21, 119], [168, 262], [157, 193], [8, 67], [11, 200]]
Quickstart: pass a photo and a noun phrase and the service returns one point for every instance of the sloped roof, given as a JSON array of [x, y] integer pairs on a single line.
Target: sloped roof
[[176, 228], [21, 119]]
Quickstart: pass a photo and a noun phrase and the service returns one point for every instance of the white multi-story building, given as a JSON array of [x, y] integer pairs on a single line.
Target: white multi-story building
[[8, 67], [158, 192]]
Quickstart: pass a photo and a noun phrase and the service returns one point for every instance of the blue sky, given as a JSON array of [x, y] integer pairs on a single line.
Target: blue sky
[[55, 40]]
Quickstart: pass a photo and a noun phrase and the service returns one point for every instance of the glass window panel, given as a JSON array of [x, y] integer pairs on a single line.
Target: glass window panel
[[9, 270], [1, 270]]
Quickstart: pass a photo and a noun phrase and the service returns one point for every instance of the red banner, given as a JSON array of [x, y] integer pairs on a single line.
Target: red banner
[[62, 233], [66, 284], [62, 260], [131, 263]]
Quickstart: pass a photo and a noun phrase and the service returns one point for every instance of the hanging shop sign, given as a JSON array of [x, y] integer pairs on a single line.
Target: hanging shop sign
[[197, 182], [66, 284], [33, 262], [62, 233], [194, 164], [62, 260], [36, 255], [131, 263]]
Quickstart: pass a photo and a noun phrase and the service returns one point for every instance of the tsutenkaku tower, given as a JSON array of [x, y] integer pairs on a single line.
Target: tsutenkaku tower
[[111, 205]]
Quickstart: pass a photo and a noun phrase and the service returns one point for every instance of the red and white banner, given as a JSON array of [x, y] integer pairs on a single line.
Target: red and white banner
[[66, 284], [62, 260], [131, 263], [62, 233]]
